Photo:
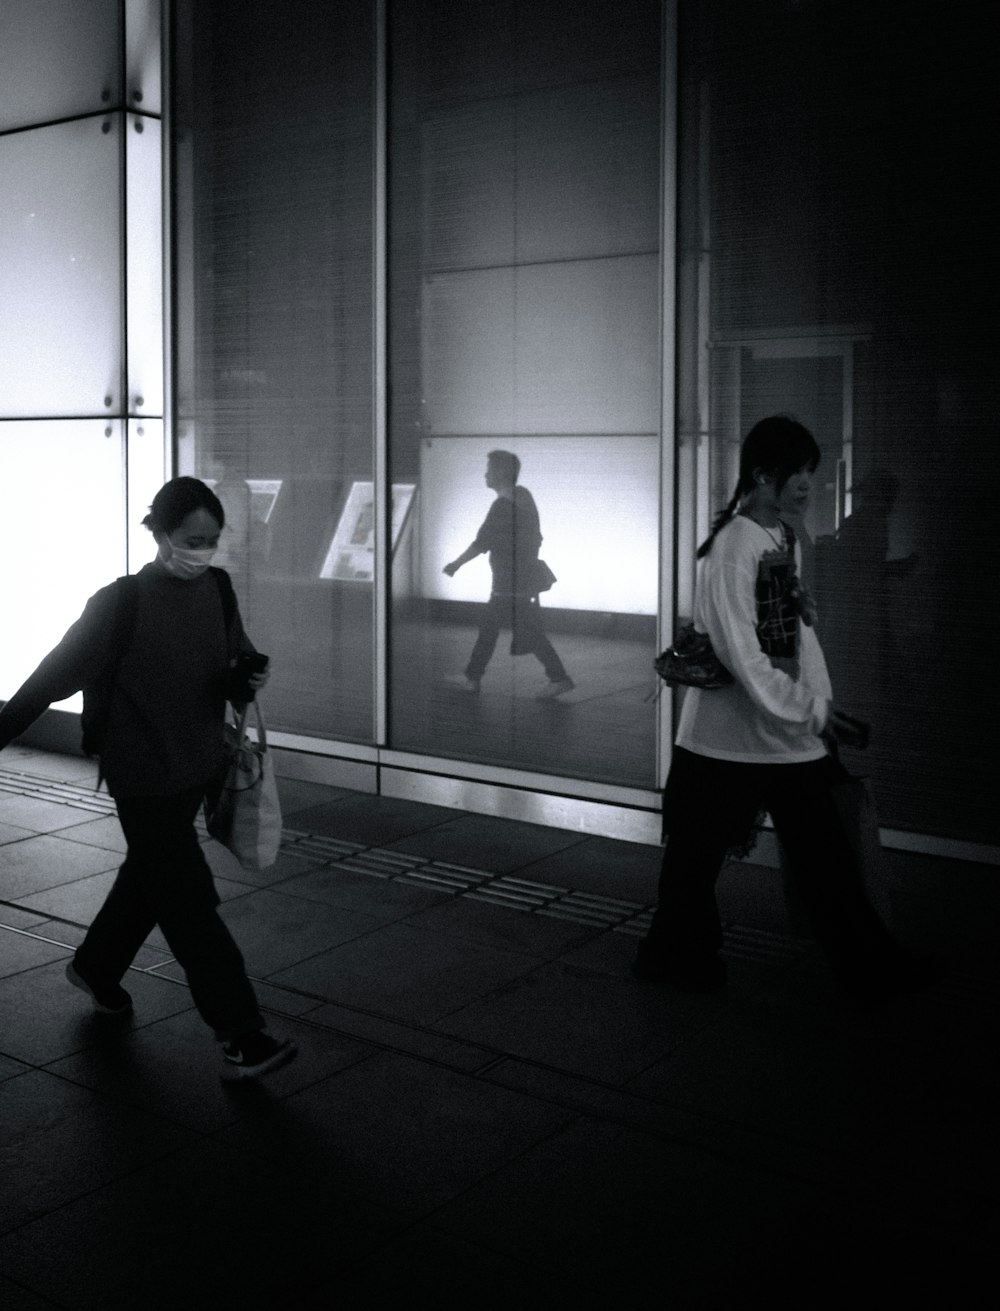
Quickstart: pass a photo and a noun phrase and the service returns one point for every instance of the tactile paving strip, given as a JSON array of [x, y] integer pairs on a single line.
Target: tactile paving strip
[[587, 909]]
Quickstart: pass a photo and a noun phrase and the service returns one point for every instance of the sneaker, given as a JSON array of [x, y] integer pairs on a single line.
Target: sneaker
[[255, 1053], [705, 976], [557, 687], [462, 682], [108, 998]]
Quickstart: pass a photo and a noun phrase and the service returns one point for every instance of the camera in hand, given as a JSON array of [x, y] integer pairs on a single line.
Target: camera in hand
[[247, 663]]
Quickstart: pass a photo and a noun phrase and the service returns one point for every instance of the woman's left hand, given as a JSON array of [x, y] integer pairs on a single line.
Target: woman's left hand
[[805, 604], [257, 681]]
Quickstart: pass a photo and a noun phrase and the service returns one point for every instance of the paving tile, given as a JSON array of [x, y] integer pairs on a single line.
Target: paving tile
[[13, 1297], [47, 862], [297, 794], [289, 864], [383, 899], [171, 1069], [41, 816], [772, 1078], [19, 918], [10, 1069], [208, 1226], [50, 764], [497, 926], [619, 1213], [410, 1040], [105, 832], [275, 931], [629, 870], [10, 833], [43, 1017], [580, 1022], [483, 842], [71, 935], [370, 820], [80, 901], [398, 1131], [406, 973], [59, 1141], [19, 952], [425, 1266]]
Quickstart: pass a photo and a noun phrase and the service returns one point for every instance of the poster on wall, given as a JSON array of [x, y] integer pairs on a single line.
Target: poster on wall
[[351, 554]]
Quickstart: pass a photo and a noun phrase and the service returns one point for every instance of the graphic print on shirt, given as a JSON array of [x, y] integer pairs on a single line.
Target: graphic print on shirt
[[777, 616]]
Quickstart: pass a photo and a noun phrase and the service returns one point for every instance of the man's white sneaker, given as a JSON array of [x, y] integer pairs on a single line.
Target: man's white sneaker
[[254, 1053]]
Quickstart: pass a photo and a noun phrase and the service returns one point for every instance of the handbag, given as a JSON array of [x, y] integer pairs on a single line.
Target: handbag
[[245, 816], [542, 578], [691, 662]]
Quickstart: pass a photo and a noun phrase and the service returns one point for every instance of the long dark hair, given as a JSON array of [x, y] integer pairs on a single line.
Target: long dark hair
[[781, 446], [177, 499]]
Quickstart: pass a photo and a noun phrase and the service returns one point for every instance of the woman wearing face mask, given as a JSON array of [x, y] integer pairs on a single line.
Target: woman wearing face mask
[[164, 678]]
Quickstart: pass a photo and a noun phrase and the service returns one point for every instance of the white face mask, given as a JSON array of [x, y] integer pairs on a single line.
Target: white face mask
[[188, 564]]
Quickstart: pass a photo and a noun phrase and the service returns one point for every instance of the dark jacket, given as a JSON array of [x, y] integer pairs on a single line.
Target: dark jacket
[[167, 706]]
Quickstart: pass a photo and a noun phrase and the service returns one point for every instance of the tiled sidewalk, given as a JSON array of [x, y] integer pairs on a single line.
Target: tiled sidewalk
[[487, 1109]]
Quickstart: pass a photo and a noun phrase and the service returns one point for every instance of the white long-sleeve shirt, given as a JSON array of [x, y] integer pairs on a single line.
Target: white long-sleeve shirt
[[775, 709]]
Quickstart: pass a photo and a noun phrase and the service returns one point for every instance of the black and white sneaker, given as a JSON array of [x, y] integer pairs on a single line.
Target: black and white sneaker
[[108, 998], [254, 1053]]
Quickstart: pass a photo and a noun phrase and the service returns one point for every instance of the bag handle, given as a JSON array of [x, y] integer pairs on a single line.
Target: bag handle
[[241, 727]]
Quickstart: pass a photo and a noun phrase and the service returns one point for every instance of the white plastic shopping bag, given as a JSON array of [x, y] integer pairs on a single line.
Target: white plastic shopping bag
[[246, 815]]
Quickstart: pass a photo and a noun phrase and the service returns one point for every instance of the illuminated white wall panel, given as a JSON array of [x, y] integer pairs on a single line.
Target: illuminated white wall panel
[[144, 249], [563, 347], [60, 532], [58, 58], [597, 499], [142, 55], [146, 475], [60, 279]]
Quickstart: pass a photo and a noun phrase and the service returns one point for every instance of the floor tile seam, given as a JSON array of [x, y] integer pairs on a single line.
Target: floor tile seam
[[847, 1173], [116, 1179]]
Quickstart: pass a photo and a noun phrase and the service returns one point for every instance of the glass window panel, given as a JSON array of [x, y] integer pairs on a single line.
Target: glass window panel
[[142, 55], [144, 254], [58, 59], [524, 316], [274, 328], [60, 276], [63, 525], [146, 475], [831, 285]]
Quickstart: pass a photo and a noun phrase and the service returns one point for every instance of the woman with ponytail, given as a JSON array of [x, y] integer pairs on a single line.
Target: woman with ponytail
[[761, 742]]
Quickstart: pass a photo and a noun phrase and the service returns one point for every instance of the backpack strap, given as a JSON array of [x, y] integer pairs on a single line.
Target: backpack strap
[[227, 596], [97, 696]]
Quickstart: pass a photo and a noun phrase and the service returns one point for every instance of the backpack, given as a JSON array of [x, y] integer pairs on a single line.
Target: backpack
[[97, 694]]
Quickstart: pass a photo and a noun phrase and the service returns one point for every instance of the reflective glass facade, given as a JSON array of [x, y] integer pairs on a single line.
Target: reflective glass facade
[[525, 205], [404, 236]]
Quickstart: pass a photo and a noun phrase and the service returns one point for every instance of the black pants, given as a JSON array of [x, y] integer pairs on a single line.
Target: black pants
[[165, 880], [522, 615], [709, 805]]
